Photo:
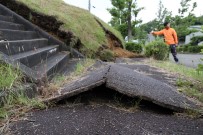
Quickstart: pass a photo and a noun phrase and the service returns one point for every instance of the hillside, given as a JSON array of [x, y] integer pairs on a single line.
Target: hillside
[[73, 25]]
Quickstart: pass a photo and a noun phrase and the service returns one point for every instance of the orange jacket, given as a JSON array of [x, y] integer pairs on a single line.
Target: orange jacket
[[170, 35]]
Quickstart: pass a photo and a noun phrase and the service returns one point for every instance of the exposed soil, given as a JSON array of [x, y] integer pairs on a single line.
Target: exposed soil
[[116, 45], [118, 51], [48, 23], [103, 111]]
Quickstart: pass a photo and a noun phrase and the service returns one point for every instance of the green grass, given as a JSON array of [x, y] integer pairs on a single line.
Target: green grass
[[9, 76], [80, 69], [179, 69], [190, 82], [17, 104], [115, 32], [76, 20], [191, 89]]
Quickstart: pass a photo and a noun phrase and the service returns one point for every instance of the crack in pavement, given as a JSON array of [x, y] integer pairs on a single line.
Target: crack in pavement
[[128, 82]]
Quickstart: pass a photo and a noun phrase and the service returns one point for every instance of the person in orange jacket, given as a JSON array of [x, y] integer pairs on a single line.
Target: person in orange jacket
[[170, 38]]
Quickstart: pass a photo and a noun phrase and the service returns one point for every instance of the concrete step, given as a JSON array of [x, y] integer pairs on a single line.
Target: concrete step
[[11, 35], [34, 57], [52, 65], [20, 46], [6, 18], [12, 26]]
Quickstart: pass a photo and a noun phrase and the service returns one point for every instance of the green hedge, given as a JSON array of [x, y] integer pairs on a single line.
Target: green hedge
[[157, 49], [134, 47], [196, 40], [189, 49], [195, 49]]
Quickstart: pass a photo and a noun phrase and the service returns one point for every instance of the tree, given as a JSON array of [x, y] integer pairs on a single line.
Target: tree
[[185, 5], [162, 13], [185, 19], [124, 14]]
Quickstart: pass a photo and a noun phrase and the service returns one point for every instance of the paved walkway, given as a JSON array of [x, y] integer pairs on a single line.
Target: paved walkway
[[190, 60]]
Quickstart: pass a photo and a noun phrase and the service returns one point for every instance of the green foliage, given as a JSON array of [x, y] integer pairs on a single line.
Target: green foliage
[[196, 40], [190, 89], [195, 49], [18, 100], [122, 13], [8, 76], [82, 66], [134, 47], [107, 55], [157, 49], [185, 6], [179, 49], [200, 67], [179, 69], [199, 21], [140, 34], [189, 49], [161, 15]]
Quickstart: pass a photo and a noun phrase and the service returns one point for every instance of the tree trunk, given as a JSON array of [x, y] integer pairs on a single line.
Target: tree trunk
[[129, 21]]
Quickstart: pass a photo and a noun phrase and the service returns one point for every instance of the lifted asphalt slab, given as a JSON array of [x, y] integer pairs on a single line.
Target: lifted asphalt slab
[[128, 82], [85, 83], [134, 84]]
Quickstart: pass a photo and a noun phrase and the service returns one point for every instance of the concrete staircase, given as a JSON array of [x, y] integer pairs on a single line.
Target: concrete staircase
[[25, 46]]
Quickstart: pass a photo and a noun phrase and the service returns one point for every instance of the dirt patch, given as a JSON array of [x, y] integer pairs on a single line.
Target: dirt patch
[[116, 46], [118, 50]]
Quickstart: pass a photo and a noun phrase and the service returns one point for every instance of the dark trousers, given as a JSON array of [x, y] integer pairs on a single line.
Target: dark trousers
[[173, 51]]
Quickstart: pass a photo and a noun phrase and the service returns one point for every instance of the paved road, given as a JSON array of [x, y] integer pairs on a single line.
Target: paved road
[[190, 60]]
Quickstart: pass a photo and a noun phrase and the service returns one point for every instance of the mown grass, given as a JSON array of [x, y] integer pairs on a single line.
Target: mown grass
[[77, 20]]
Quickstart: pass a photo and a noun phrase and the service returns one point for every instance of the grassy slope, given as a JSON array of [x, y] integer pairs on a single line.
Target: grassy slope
[[77, 20]]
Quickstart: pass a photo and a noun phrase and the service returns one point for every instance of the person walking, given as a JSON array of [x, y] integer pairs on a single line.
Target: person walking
[[170, 38]]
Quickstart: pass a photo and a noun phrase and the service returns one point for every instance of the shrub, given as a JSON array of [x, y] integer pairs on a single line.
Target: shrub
[[195, 49], [185, 48], [134, 47], [180, 49], [157, 49], [196, 40], [200, 67], [201, 51], [106, 55]]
